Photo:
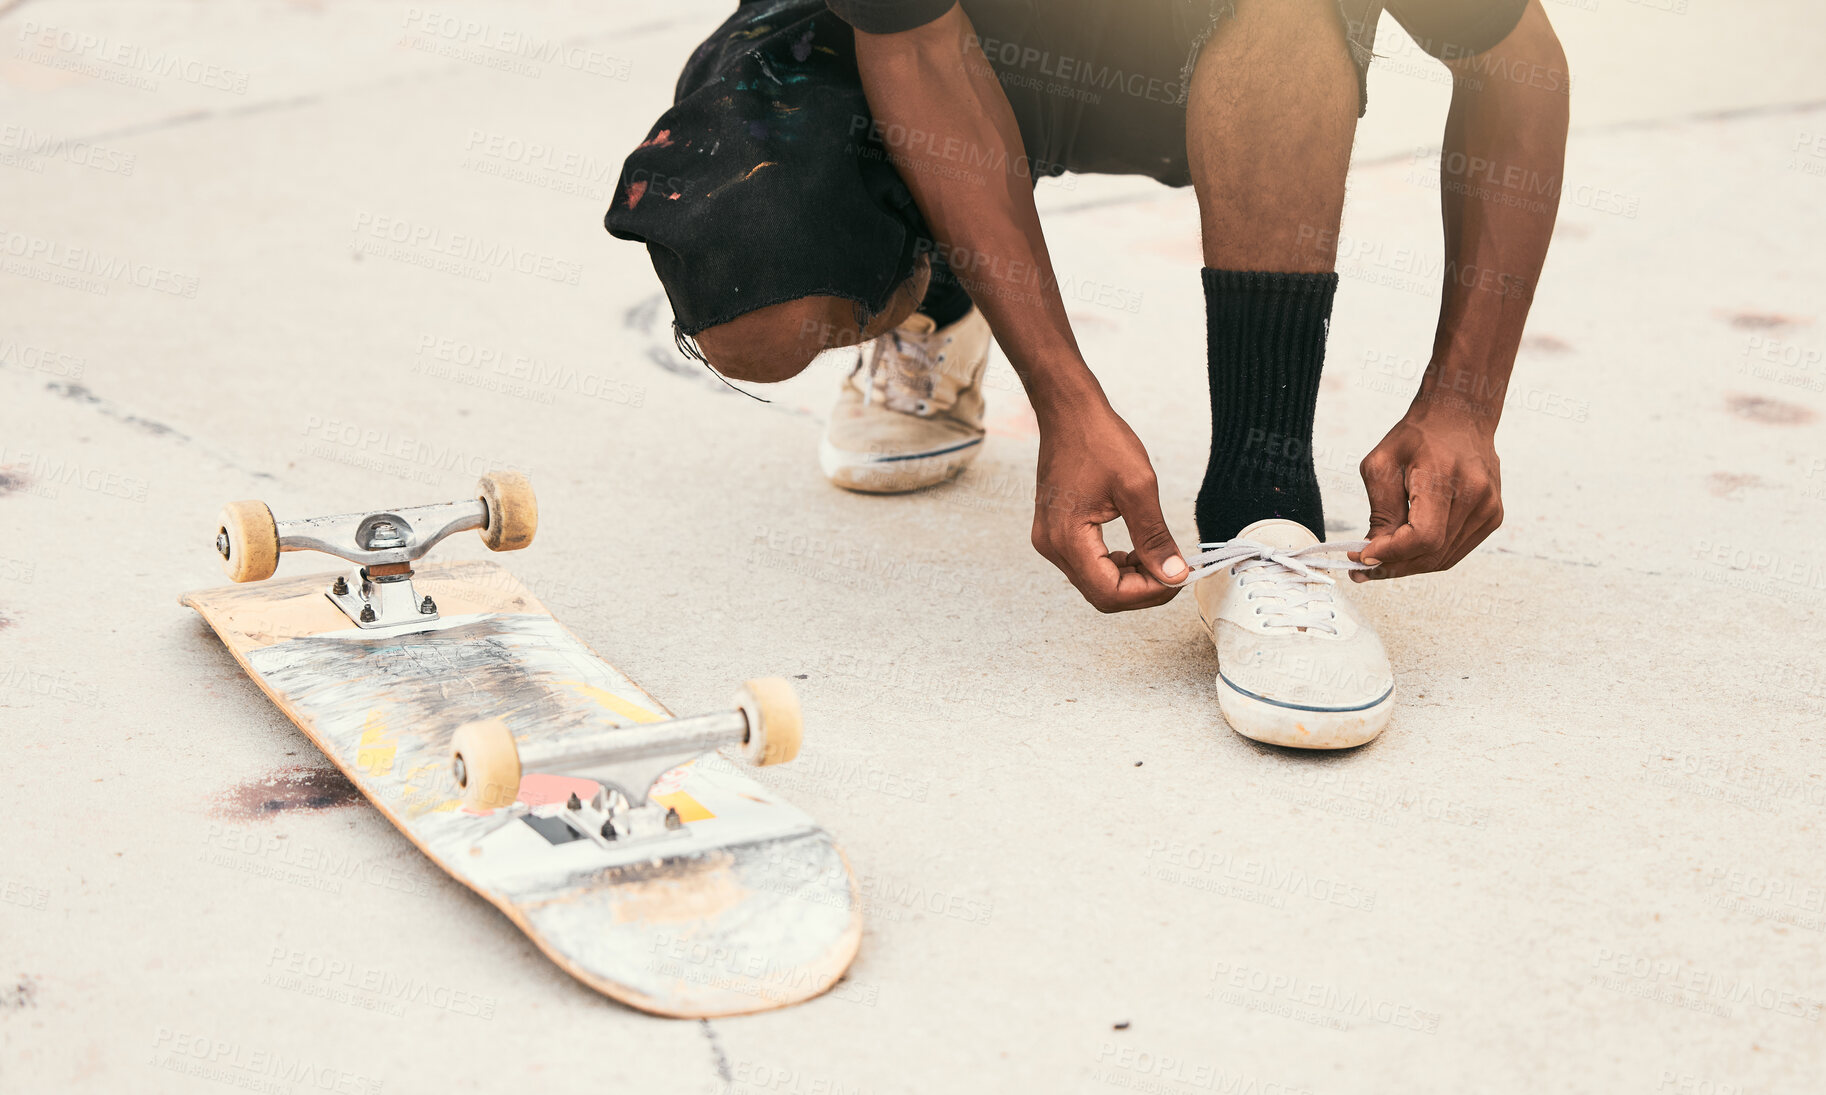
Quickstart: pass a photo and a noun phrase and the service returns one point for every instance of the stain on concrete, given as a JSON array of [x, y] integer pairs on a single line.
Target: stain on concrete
[[20, 995], [80, 393], [1546, 344], [717, 1057], [1769, 412], [1724, 484], [301, 787], [1763, 321]]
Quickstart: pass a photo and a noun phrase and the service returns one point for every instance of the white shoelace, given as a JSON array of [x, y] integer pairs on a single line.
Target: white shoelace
[[1291, 585], [905, 348]]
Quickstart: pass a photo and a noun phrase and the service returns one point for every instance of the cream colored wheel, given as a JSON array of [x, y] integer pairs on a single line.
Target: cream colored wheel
[[247, 538], [513, 510], [775, 726], [486, 764]]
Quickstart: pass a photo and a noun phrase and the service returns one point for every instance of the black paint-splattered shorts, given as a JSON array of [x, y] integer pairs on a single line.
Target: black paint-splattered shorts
[[768, 181]]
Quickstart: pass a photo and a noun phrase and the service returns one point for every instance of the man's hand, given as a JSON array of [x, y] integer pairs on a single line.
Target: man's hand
[[1094, 469], [1435, 491], [933, 82], [1434, 483]]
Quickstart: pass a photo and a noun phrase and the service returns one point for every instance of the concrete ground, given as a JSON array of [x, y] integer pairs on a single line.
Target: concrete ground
[[1586, 856]]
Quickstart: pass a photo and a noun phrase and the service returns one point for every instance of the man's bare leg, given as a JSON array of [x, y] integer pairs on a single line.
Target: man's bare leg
[[1271, 116], [1269, 124], [776, 343], [1272, 113]]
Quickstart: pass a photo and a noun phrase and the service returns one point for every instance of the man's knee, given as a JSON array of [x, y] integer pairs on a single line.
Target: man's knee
[[775, 343], [1307, 36]]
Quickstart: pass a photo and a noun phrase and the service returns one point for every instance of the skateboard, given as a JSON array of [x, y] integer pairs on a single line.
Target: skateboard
[[630, 846]]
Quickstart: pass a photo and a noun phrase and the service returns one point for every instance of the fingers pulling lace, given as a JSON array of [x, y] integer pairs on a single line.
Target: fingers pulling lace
[[1291, 585]]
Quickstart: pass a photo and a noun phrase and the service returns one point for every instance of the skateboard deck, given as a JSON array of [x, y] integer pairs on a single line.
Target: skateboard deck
[[747, 905]]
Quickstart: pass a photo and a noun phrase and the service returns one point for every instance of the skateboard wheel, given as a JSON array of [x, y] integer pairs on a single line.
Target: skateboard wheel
[[513, 510], [486, 764], [775, 727], [247, 538]]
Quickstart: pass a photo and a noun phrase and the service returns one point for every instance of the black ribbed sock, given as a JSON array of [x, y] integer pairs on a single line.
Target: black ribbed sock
[[946, 300], [1267, 347]]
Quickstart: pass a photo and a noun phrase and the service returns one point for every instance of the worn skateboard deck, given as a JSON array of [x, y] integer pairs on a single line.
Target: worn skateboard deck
[[748, 906]]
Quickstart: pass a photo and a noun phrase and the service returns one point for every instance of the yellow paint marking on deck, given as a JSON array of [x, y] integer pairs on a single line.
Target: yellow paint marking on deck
[[424, 786], [610, 700], [689, 809], [375, 753]]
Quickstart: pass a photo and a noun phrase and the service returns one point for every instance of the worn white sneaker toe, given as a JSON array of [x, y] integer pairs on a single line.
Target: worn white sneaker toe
[[910, 414], [1296, 664]]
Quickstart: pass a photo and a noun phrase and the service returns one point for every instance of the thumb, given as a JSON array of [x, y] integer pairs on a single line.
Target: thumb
[[1388, 498], [1155, 548]]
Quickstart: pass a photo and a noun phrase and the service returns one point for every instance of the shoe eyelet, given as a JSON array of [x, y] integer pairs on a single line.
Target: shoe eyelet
[[922, 407]]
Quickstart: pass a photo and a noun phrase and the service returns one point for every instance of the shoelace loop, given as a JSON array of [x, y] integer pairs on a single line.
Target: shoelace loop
[[1291, 581], [900, 387]]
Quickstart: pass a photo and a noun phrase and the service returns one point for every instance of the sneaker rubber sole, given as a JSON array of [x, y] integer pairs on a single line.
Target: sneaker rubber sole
[[869, 473], [1273, 723]]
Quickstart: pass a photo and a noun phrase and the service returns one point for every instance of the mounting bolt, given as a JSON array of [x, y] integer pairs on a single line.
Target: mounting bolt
[[384, 535], [367, 614], [572, 803], [608, 830], [673, 821], [428, 607], [222, 543], [340, 587]]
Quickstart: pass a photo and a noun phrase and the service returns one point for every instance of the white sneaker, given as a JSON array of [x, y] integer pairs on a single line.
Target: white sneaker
[[1296, 664], [910, 414]]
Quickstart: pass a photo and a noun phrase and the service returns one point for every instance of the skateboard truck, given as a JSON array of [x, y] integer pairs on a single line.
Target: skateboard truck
[[625, 761], [383, 545]]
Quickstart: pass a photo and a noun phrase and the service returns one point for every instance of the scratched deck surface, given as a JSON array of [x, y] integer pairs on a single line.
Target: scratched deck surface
[[749, 906]]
